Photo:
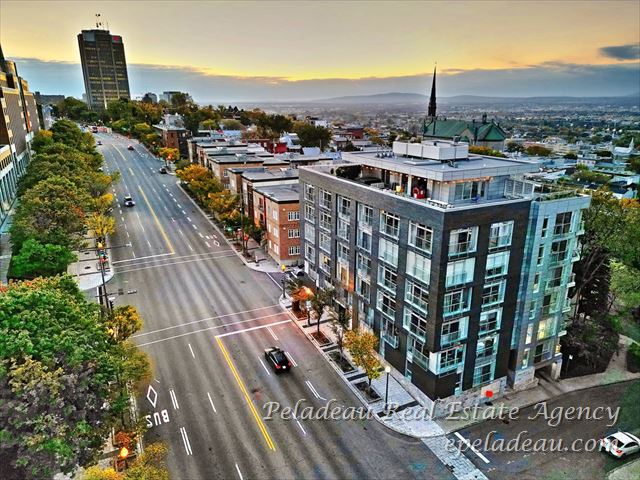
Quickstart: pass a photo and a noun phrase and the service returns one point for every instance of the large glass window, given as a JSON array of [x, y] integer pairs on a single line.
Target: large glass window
[[500, 234], [325, 199], [310, 213], [325, 263], [463, 240], [487, 347], [325, 242], [559, 251], [388, 251], [310, 253], [490, 321], [451, 358], [420, 236], [460, 272], [418, 266], [389, 224], [309, 233], [325, 221], [293, 216], [417, 295], [457, 301], [416, 323], [344, 206], [469, 190], [363, 265], [454, 331], [293, 233], [387, 278], [483, 374], [343, 252], [365, 215], [493, 293], [364, 239], [563, 223], [386, 304], [363, 288], [344, 229], [309, 192], [497, 264]]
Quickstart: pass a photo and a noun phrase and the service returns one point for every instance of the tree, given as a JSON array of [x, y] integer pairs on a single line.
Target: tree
[[68, 133], [200, 181], [224, 205], [101, 225], [486, 151], [60, 378], [538, 151], [362, 346], [340, 322], [604, 153], [513, 147], [42, 139], [123, 322], [149, 465], [169, 154], [41, 260], [72, 108], [312, 136], [231, 124], [141, 129], [570, 156], [322, 298], [210, 124]]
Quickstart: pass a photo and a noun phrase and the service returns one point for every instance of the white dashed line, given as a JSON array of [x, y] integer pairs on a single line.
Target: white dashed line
[[211, 402], [191, 349]]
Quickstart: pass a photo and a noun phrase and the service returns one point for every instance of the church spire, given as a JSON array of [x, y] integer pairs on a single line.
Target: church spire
[[431, 111]]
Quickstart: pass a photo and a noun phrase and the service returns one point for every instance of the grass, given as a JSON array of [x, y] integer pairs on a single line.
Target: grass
[[628, 420]]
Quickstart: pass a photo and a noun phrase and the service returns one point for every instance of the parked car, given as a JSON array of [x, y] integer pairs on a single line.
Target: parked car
[[278, 359], [163, 170], [620, 444], [128, 201], [98, 142], [130, 147], [295, 273]]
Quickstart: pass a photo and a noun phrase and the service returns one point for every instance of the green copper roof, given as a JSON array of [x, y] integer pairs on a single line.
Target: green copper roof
[[450, 128]]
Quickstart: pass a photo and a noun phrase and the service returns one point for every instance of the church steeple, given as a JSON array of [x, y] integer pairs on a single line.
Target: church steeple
[[431, 111]]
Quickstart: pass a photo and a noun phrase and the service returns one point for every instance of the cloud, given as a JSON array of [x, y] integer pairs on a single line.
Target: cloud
[[546, 79], [622, 52]]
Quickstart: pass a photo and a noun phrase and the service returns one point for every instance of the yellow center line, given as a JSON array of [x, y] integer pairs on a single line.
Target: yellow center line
[[257, 417], [155, 217]]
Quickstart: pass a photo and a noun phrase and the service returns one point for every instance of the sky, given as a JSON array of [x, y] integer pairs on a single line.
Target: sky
[[299, 50]]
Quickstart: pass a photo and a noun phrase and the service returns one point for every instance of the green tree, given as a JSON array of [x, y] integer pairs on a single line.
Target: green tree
[[538, 151], [102, 225], [123, 322], [200, 181], [42, 139], [231, 124], [570, 156], [340, 322], [41, 260], [312, 136], [321, 299], [72, 108], [513, 147], [68, 133], [169, 154], [486, 151], [362, 346]]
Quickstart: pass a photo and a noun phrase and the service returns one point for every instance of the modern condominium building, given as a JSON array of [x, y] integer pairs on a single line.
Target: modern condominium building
[[18, 123], [437, 252], [104, 67]]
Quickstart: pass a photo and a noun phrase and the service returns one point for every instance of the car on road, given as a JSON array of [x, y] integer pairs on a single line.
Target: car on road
[[620, 444], [98, 142], [128, 201], [278, 359], [295, 273], [130, 147], [163, 170]]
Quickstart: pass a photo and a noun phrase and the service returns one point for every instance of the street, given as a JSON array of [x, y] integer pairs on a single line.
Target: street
[[208, 319]]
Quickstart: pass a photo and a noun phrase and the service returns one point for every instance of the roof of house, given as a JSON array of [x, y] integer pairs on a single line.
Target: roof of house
[[280, 193], [467, 131]]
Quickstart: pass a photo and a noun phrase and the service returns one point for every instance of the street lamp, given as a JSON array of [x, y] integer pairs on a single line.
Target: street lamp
[[387, 370], [283, 268]]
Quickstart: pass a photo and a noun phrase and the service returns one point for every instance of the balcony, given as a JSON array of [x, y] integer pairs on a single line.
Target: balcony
[[449, 338], [459, 249], [572, 280], [420, 359], [393, 340], [458, 279], [580, 230]]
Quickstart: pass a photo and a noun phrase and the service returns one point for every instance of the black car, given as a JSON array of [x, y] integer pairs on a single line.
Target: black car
[[278, 359], [130, 147], [163, 170], [128, 201]]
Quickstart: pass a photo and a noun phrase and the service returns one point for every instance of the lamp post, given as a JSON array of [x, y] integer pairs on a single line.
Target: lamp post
[[387, 370], [284, 277]]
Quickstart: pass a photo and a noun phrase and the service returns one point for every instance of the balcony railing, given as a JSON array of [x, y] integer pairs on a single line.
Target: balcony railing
[[393, 340], [449, 338], [421, 360], [458, 279]]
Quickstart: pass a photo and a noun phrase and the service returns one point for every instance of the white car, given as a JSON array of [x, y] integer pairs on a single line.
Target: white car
[[620, 444]]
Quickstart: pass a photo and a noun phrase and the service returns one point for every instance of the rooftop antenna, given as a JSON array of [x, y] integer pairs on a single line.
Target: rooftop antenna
[[98, 22]]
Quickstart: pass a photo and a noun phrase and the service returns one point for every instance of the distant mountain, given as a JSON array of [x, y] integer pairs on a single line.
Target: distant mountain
[[416, 98]]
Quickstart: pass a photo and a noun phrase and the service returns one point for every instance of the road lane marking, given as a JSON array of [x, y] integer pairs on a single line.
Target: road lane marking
[[257, 417], [201, 236], [175, 200], [471, 447], [137, 268], [179, 206], [239, 473], [189, 218], [192, 354], [142, 258], [264, 366], [181, 233], [155, 217], [295, 364], [211, 402], [207, 243], [131, 172], [215, 327], [185, 440], [183, 212], [216, 243], [190, 247], [149, 243], [250, 329], [313, 390], [165, 207], [272, 333], [174, 399], [300, 425], [216, 317], [194, 226]]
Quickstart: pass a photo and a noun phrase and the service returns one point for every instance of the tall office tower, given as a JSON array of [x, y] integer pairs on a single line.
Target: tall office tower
[[459, 263], [18, 124], [104, 67]]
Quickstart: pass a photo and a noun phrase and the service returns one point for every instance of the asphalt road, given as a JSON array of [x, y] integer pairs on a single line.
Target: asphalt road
[[573, 459], [208, 319]]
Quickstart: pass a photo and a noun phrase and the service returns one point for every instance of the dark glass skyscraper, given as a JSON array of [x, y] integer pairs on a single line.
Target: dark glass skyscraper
[[104, 67]]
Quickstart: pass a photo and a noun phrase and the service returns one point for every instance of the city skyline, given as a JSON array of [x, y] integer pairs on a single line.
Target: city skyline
[[538, 51]]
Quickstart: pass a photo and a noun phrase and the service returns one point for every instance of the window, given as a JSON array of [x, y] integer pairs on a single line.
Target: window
[[500, 234], [543, 351], [457, 301], [309, 233], [362, 288], [309, 192], [415, 323], [325, 221], [463, 240], [389, 224], [325, 199], [563, 223], [449, 359], [490, 321], [487, 347], [387, 278], [274, 213], [310, 213], [454, 331], [325, 263], [325, 242], [275, 232], [418, 266], [555, 277], [497, 264], [293, 233], [344, 229], [363, 265], [386, 304], [460, 272], [388, 251], [294, 250], [536, 282], [276, 248], [559, 251], [225, 173], [310, 253], [292, 216], [417, 295], [483, 374], [344, 206], [545, 227], [493, 293], [420, 236], [419, 352], [365, 215], [546, 328], [525, 358], [342, 252], [469, 190], [540, 256], [364, 239]]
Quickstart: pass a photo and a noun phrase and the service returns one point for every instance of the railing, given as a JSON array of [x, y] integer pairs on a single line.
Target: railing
[[449, 338], [420, 359], [458, 279], [459, 249], [393, 340]]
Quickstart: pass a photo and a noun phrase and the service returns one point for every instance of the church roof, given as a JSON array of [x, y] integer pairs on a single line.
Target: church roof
[[488, 132]]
